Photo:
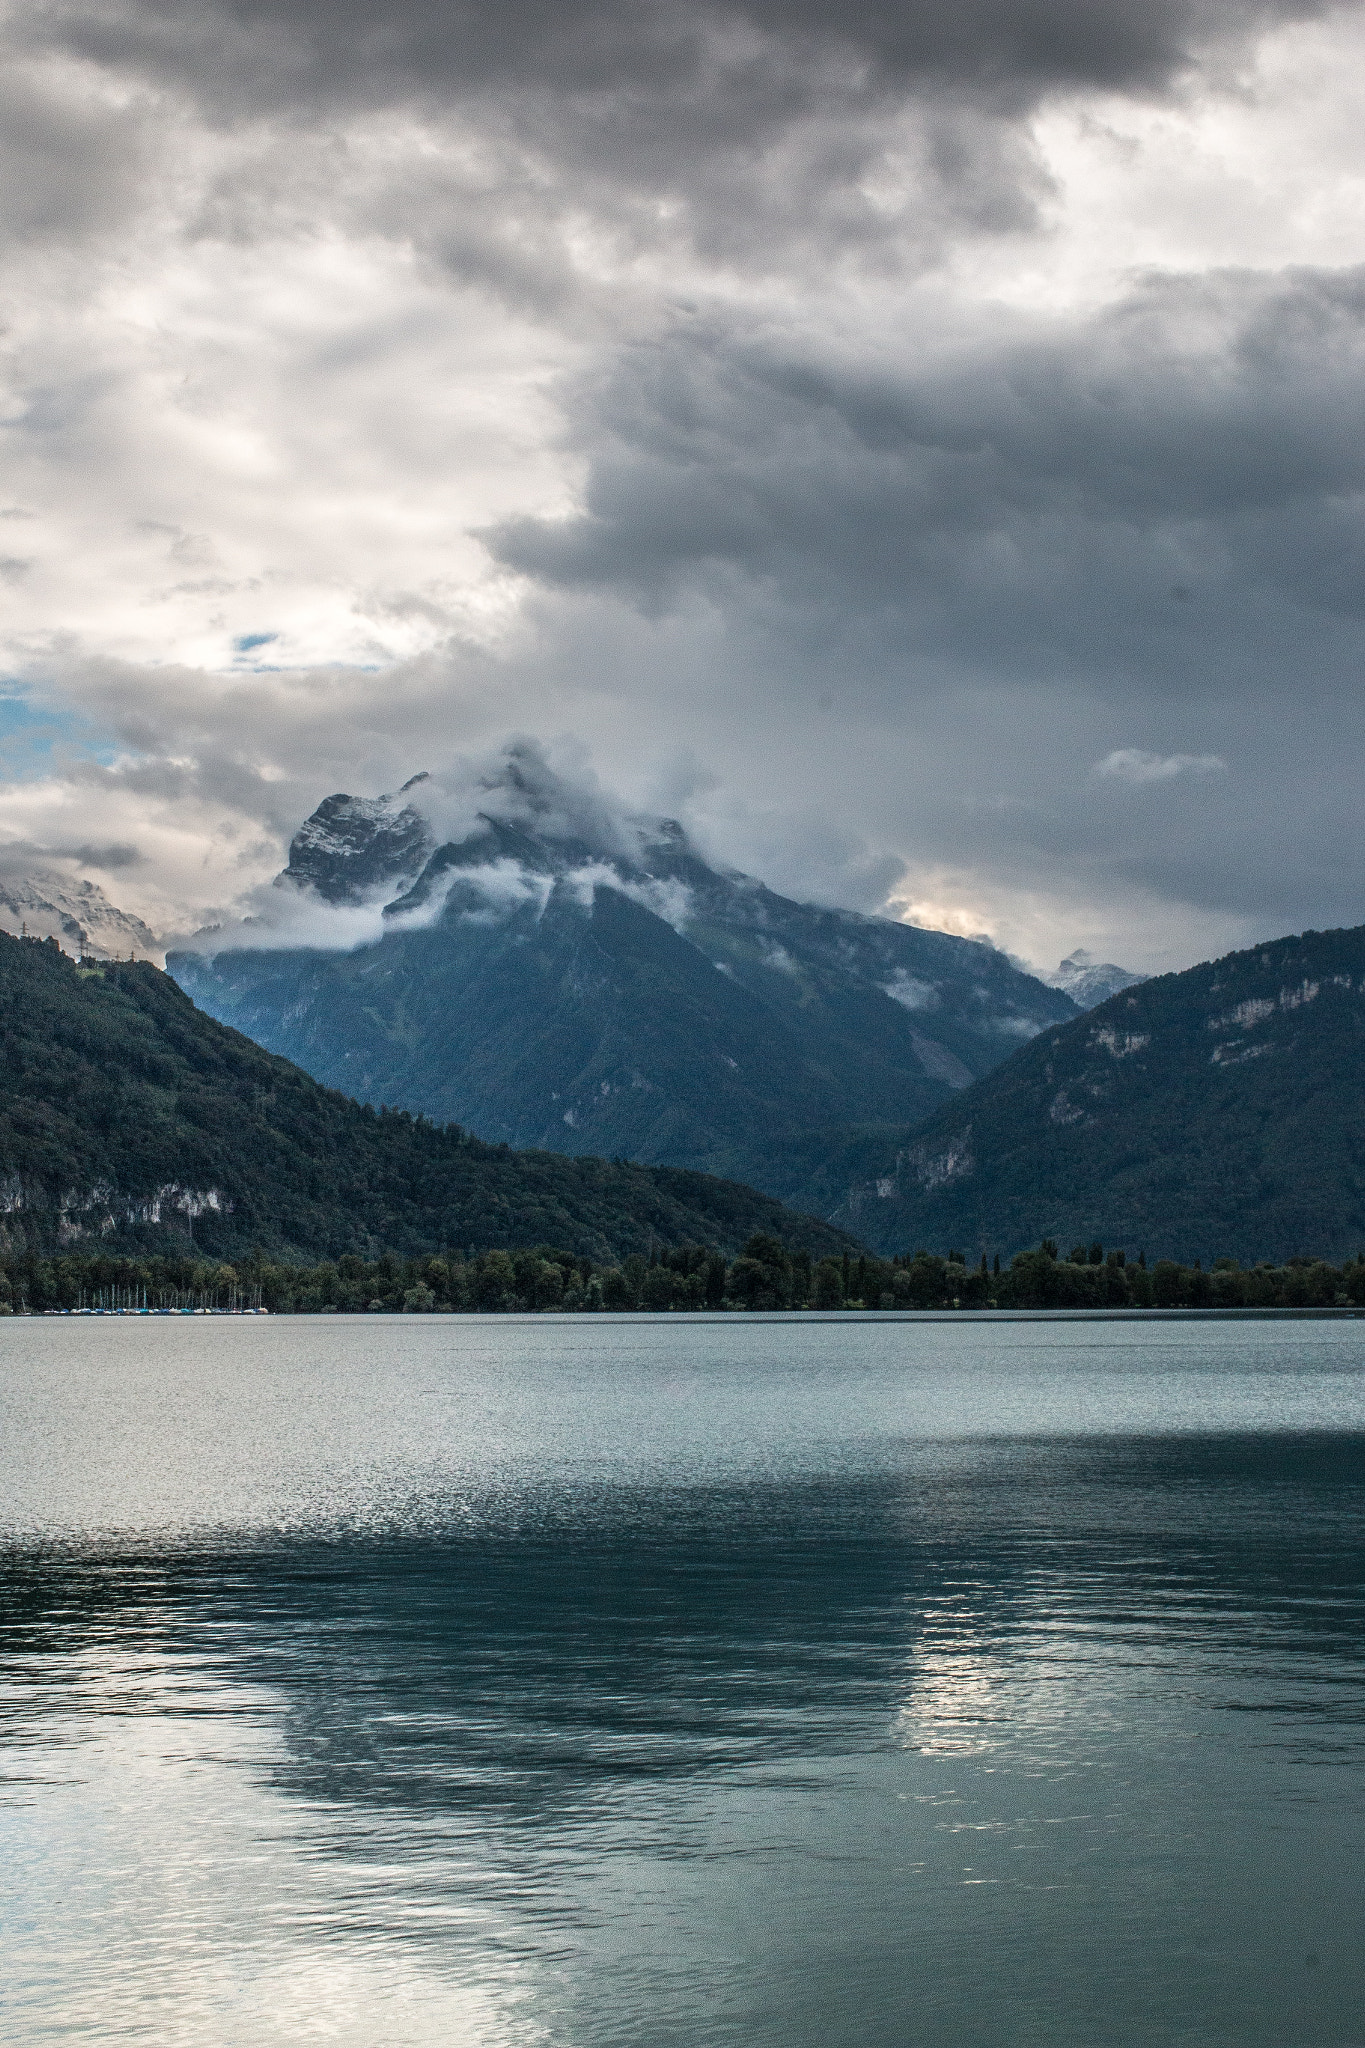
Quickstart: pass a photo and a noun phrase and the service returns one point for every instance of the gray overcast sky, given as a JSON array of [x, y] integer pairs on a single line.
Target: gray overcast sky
[[921, 446]]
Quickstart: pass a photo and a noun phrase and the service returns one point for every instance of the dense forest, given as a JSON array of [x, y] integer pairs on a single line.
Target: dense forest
[[1220, 1111], [131, 1121], [765, 1275]]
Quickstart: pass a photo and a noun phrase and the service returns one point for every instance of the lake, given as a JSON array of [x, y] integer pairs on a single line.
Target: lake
[[584, 1682]]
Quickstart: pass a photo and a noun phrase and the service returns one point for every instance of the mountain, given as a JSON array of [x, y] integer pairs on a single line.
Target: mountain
[[549, 972], [1089, 981], [1216, 1112], [130, 1119], [77, 914], [353, 846]]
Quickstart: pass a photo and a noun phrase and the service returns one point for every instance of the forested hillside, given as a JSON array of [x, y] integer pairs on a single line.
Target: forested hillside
[[130, 1119], [1218, 1112]]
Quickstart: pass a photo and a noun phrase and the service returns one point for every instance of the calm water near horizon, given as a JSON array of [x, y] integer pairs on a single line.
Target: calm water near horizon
[[612, 1684]]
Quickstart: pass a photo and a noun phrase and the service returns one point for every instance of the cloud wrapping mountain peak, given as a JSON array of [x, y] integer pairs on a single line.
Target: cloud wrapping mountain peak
[[871, 418]]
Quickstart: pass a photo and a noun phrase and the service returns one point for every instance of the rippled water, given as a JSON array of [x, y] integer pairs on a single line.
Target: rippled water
[[516, 1682]]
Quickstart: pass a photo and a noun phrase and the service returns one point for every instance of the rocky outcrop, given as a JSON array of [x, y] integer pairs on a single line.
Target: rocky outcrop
[[354, 847]]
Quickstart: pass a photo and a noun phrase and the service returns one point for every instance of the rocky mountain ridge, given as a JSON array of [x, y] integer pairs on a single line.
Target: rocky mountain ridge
[[1089, 981], [354, 847], [1216, 1112], [552, 972]]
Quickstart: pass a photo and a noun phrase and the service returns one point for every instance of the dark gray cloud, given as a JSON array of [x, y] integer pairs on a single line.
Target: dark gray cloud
[[1103, 579], [67, 169], [20, 855], [296, 49], [891, 414], [748, 132], [1169, 490], [113, 858]]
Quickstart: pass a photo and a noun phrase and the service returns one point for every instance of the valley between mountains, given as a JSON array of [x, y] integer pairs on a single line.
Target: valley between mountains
[[552, 989]]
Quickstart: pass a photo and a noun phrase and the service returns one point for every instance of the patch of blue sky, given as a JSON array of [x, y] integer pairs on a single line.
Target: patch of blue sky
[[247, 643], [31, 731]]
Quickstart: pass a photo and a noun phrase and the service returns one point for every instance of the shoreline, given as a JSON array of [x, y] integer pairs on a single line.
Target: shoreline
[[784, 1315]]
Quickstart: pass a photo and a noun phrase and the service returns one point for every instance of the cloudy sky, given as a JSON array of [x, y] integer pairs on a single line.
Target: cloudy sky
[[919, 445]]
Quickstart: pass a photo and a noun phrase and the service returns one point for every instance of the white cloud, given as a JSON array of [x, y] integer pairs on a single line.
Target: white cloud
[[908, 441], [1138, 766]]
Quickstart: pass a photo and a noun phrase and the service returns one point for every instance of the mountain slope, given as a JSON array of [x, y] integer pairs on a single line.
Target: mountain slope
[[128, 1118], [1216, 1112], [76, 913], [555, 978]]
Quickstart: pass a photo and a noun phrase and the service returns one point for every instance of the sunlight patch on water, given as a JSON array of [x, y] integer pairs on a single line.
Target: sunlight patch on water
[[165, 1889]]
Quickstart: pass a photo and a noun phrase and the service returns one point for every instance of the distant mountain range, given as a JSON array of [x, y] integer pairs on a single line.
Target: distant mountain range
[[129, 1120], [571, 981], [1216, 1112], [76, 913], [1089, 981], [549, 973]]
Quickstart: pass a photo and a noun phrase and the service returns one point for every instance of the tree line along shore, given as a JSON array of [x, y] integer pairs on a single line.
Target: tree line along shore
[[765, 1275]]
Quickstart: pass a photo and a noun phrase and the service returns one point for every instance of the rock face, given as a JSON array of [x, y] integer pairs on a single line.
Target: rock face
[[77, 914], [554, 975], [1089, 981], [1218, 1112], [355, 845]]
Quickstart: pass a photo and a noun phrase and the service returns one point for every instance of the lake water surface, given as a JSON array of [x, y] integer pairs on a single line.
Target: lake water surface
[[669, 1684]]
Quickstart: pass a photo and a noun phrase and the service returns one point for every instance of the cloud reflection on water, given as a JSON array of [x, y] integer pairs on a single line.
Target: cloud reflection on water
[[1018, 1736]]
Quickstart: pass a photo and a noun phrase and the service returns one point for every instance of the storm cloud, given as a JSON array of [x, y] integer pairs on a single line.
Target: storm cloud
[[1024, 497], [294, 50], [922, 447]]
